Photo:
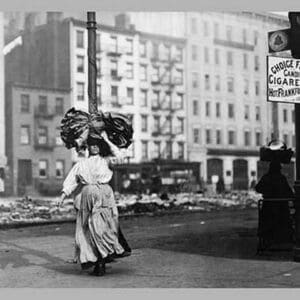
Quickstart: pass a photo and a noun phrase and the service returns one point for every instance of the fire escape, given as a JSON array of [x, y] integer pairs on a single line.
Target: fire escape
[[166, 104]]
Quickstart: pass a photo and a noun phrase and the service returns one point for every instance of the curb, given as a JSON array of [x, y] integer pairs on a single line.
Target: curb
[[123, 216]]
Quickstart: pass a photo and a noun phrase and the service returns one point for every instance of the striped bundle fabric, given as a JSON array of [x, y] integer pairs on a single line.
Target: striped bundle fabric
[[77, 126]]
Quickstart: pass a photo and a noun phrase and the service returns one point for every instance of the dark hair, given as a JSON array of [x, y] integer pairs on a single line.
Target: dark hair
[[104, 149]]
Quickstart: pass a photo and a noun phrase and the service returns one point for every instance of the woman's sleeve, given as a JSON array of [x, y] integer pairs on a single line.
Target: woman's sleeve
[[117, 157], [70, 183]]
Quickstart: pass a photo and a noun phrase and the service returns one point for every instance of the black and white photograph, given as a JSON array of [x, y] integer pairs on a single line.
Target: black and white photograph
[[149, 149]]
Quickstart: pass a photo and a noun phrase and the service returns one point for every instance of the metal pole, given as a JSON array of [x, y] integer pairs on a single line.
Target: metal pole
[[297, 184], [92, 65], [275, 121]]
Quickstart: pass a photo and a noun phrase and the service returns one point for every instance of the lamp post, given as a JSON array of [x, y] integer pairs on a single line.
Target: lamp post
[[92, 65]]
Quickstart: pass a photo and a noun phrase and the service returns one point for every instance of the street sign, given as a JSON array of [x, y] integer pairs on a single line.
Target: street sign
[[283, 79], [279, 40]]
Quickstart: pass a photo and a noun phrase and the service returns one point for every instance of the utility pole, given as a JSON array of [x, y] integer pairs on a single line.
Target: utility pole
[[92, 65]]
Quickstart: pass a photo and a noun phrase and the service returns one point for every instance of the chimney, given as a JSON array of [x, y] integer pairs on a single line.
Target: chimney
[[122, 21], [30, 21], [54, 16]]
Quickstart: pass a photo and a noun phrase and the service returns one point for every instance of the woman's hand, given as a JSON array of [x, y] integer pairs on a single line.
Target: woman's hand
[[61, 200], [104, 135]]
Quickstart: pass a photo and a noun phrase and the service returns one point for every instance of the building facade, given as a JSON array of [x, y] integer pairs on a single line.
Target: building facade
[[37, 158], [2, 110], [229, 117]]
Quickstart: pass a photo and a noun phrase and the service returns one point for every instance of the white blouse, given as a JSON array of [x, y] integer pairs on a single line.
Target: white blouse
[[92, 170]]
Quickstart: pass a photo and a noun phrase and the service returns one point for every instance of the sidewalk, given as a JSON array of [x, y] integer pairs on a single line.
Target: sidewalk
[[40, 261]]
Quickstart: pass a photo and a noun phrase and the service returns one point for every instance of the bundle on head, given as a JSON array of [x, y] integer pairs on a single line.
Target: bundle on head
[[77, 125]]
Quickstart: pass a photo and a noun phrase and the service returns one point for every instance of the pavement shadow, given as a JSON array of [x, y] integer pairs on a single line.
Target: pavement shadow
[[236, 243]]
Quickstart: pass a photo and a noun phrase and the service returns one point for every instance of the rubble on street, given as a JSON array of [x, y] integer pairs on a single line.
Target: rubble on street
[[29, 210]]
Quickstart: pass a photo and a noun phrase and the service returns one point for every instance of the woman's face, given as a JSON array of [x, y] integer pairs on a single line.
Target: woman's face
[[94, 149]]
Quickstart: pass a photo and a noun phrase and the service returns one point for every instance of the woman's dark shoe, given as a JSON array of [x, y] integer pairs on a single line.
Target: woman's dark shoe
[[99, 270]]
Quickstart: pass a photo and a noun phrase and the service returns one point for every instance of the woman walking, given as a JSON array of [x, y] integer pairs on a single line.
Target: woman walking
[[97, 237]]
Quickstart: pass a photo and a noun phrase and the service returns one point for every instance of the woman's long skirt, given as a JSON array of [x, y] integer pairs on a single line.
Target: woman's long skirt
[[96, 225]]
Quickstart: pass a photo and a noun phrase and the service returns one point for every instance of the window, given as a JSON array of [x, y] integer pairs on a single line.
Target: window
[[42, 135], [179, 54], [80, 64], [285, 116], [194, 52], [208, 136], [179, 77], [194, 26], [98, 64], [207, 109], [155, 100], [80, 91], [229, 33], [59, 169], [180, 147], [207, 82], [156, 124], [194, 80], [166, 76], [256, 63], [293, 116], [168, 125], [257, 138], [25, 103], [144, 125], [180, 129], [255, 38], [129, 46], [143, 49], [205, 28], [230, 111], [257, 113], [179, 101], [218, 137], [43, 166], [98, 40], [244, 36], [246, 86], [43, 105], [216, 30], [230, 85], [129, 70], [144, 98], [218, 83], [206, 55], [98, 92], [130, 95], [155, 51], [113, 44], [195, 107], [143, 72], [156, 149], [286, 139], [58, 140], [196, 136], [167, 100], [217, 56], [229, 58], [246, 112], [25, 135], [155, 74], [167, 52], [218, 110], [245, 61], [79, 39], [168, 150], [247, 138], [257, 88], [144, 149], [114, 94], [59, 105], [113, 68], [231, 137]]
